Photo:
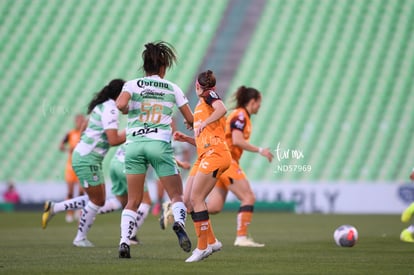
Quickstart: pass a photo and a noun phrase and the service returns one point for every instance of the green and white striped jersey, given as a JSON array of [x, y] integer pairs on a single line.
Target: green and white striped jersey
[[151, 108], [103, 117]]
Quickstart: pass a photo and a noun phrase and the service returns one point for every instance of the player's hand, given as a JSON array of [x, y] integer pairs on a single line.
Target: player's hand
[[188, 125], [267, 154], [178, 136], [412, 175], [200, 128], [184, 164]]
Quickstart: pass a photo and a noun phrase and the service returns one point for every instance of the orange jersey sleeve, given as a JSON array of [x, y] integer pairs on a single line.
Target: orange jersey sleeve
[[238, 120], [213, 134], [73, 138]]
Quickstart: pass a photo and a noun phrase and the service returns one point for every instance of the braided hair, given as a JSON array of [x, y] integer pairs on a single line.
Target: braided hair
[[207, 81]]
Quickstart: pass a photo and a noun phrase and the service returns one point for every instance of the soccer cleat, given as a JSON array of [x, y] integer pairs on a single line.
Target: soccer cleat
[[83, 243], [216, 246], [199, 255], [134, 240], [47, 213], [407, 213], [406, 236], [246, 242], [166, 213], [124, 251], [183, 239]]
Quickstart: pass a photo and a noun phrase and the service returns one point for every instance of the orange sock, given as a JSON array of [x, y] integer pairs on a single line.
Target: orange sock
[[70, 212], [201, 222], [211, 238], [244, 217], [201, 228]]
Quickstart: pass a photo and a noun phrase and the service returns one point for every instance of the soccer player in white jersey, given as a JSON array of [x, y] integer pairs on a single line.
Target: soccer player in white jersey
[[99, 135], [113, 203], [149, 103]]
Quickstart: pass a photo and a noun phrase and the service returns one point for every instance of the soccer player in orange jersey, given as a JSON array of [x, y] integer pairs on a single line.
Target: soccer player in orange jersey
[[238, 130], [213, 159], [69, 142]]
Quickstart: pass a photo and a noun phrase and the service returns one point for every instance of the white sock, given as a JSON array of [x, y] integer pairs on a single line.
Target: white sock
[[111, 204], [411, 228], [142, 213], [179, 211], [71, 204], [87, 218], [128, 222]]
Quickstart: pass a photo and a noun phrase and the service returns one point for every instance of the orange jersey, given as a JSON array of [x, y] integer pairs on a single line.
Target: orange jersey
[[238, 120], [213, 134], [72, 138]]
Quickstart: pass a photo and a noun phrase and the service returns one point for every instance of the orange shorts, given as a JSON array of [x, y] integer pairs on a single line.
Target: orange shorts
[[70, 175], [217, 159], [233, 173]]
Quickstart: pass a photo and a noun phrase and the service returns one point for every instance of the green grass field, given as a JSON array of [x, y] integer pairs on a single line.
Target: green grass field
[[295, 244]]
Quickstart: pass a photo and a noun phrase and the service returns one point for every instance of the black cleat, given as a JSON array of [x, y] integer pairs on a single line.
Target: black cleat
[[162, 225], [134, 240], [183, 239], [124, 251]]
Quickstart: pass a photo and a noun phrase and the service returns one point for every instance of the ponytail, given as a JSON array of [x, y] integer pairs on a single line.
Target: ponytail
[[244, 94], [110, 91]]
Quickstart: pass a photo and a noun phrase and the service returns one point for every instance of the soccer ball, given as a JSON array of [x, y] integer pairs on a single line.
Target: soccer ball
[[346, 235]]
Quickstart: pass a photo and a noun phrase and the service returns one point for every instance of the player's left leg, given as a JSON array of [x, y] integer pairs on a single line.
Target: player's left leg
[[241, 188]]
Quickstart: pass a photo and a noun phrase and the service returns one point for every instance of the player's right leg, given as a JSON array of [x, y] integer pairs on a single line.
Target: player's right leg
[[166, 168], [241, 188], [52, 208]]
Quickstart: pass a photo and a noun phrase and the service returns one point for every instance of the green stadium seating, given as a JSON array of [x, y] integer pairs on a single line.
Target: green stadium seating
[[332, 74], [56, 55], [336, 77]]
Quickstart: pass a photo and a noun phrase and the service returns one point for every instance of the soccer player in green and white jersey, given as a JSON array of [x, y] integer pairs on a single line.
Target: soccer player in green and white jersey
[[113, 203], [149, 103], [100, 133]]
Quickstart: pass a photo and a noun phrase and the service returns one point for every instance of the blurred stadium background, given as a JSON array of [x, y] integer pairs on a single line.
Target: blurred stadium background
[[336, 77]]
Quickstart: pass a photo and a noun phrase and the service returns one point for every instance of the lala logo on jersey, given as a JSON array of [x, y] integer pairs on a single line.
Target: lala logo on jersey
[[95, 177], [239, 124], [214, 94], [114, 121]]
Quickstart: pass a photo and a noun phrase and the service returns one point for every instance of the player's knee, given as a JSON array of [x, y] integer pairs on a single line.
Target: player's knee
[[213, 209], [98, 201], [248, 199]]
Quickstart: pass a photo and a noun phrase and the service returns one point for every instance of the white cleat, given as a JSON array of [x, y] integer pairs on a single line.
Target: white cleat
[[215, 247], [199, 255], [83, 243], [166, 215], [247, 242]]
